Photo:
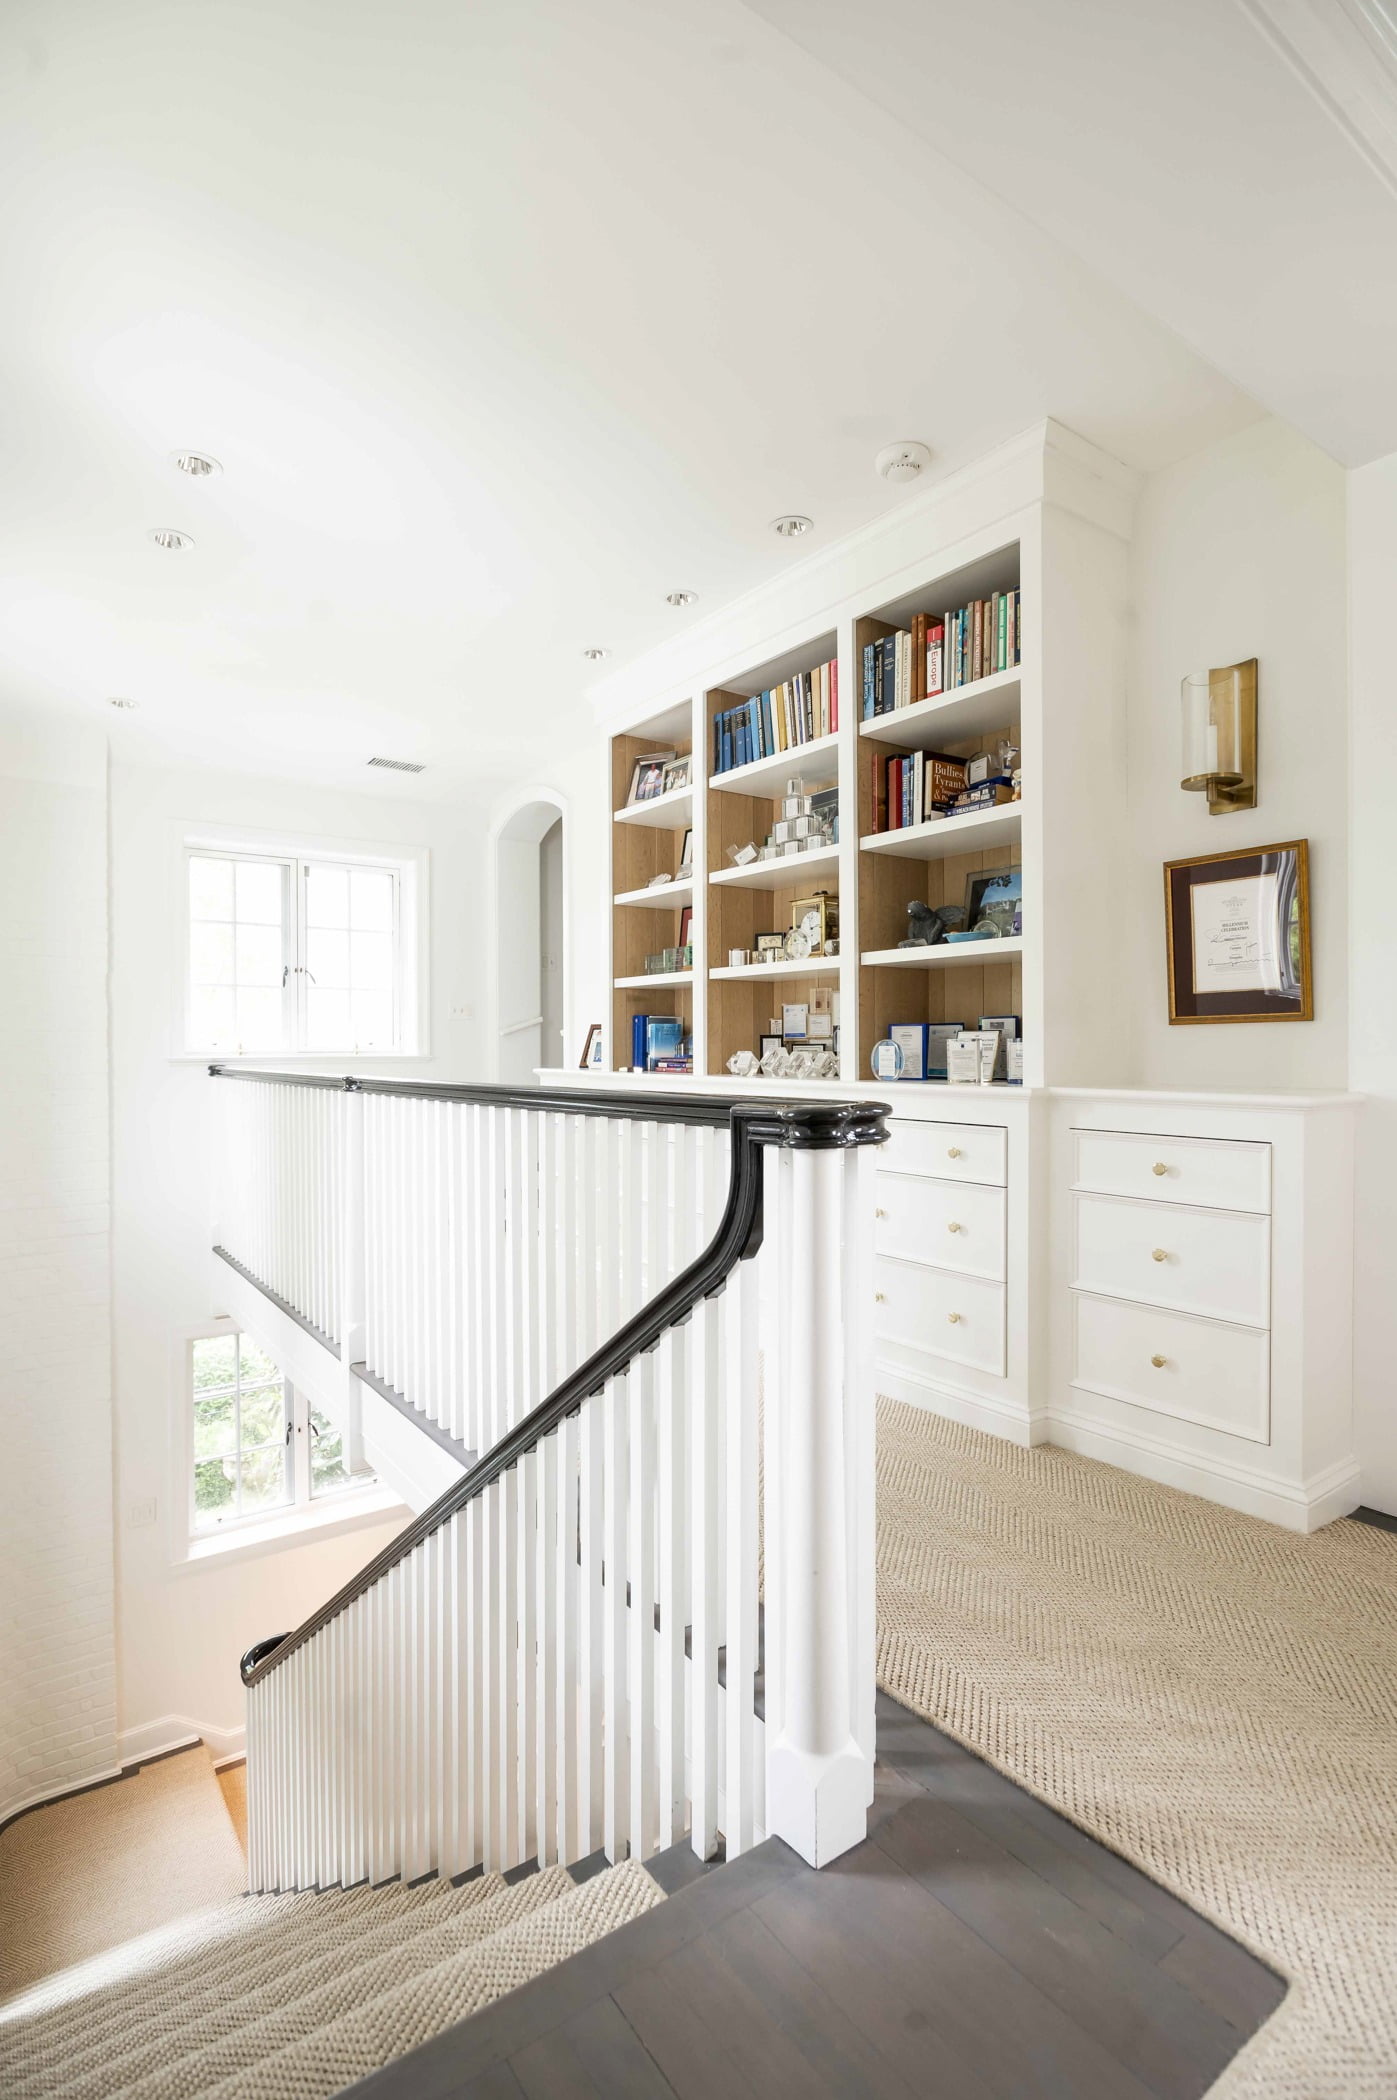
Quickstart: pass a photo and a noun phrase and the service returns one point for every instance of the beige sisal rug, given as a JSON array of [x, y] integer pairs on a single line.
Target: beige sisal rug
[[82, 1875], [1212, 1697]]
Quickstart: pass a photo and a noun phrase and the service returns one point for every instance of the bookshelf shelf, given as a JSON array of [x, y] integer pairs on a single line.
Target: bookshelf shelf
[[945, 956], [662, 897], [654, 980], [950, 718], [945, 836], [788, 873], [816, 763], [813, 966], [664, 813]]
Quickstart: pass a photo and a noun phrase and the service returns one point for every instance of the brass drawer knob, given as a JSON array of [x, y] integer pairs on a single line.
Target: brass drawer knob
[[953, 1152], [954, 1319], [1159, 1167], [1158, 1254], [1159, 1362], [880, 1298], [880, 1214], [953, 1228]]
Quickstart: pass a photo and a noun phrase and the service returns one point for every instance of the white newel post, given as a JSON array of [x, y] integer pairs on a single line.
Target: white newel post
[[351, 1270], [819, 1455]]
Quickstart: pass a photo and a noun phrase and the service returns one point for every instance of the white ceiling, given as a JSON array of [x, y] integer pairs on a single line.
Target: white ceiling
[[1230, 164], [504, 320]]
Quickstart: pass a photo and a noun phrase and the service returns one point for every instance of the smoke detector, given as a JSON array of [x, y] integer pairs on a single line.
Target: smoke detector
[[173, 542], [398, 765], [904, 462]]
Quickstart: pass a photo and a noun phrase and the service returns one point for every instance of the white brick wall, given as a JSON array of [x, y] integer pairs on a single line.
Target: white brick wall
[[57, 1641]]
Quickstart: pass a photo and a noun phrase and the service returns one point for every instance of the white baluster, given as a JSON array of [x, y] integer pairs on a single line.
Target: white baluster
[[672, 1543]]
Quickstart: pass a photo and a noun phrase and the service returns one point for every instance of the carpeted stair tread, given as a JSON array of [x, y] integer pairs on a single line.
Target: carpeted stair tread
[[192, 2064], [290, 1956], [212, 1951], [409, 2013]]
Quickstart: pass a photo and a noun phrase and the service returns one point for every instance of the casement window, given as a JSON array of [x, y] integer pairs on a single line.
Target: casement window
[[305, 954], [259, 1448]]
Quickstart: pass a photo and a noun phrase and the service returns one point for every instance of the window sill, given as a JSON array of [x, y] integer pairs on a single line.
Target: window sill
[[354, 1511]]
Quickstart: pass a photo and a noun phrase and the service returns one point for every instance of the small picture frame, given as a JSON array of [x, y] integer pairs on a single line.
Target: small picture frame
[[819, 1027], [770, 1043], [1237, 933], [686, 921], [676, 775], [686, 853], [648, 776], [911, 1040], [591, 1057], [994, 899], [795, 1022]]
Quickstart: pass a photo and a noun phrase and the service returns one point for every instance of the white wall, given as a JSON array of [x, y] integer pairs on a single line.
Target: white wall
[[1373, 966], [182, 1627], [57, 1663], [1237, 552]]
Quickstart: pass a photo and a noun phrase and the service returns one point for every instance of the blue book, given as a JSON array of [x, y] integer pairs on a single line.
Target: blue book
[[638, 1033], [768, 726], [869, 657], [754, 729]]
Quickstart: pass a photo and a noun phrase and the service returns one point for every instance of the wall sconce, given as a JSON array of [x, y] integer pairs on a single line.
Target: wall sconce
[[1220, 736]]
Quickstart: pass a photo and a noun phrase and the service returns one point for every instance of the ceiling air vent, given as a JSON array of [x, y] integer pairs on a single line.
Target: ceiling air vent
[[398, 765]]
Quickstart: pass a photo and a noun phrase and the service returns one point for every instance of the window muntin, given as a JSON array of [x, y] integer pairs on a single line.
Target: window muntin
[[294, 955], [241, 1412], [260, 1446]]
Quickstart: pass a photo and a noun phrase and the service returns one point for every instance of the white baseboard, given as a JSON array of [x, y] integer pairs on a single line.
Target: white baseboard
[[177, 1732], [10, 1809], [1297, 1506], [996, 1417]]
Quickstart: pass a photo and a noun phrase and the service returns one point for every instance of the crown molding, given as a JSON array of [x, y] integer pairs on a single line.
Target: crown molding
[[1345, 53]]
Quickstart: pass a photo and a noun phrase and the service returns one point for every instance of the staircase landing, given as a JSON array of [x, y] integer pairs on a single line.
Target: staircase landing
[[976, 1945]]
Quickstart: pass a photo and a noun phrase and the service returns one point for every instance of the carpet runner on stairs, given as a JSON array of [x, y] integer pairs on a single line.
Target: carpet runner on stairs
[[296, 1997]]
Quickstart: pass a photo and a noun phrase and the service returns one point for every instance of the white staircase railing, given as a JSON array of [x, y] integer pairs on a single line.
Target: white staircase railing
[[649, 1610], [457, 1248]]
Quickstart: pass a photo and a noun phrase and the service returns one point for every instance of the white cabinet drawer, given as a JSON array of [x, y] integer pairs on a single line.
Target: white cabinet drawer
[[951, 1151], [1201, 1261], [953, 1224], [1220, 1173], [1203, 1371], [958, 1317]]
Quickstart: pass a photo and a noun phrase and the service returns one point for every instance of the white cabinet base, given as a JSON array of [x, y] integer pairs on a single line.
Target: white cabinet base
[[996, 1415], [1302, 1506]]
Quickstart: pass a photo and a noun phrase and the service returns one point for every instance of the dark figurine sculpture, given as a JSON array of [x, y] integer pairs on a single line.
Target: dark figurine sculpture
[[928, 924]]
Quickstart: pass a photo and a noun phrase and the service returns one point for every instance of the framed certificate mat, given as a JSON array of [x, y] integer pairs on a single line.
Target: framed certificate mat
[[1238, 933]]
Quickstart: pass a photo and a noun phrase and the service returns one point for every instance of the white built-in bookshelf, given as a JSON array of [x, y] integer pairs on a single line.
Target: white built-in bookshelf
[[1060, 548]]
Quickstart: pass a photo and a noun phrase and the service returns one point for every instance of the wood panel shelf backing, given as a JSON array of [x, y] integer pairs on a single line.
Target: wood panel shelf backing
[[644, 921], [992, 984], [741, 1010]]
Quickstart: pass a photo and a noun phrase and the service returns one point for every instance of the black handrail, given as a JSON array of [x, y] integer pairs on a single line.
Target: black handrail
[[631, 1105], [816, 1125]]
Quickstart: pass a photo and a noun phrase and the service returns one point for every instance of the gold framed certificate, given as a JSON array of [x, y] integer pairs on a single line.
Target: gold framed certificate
[[1237, 927]]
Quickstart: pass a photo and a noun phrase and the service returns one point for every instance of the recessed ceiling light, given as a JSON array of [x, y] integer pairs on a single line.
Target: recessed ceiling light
[[174, 542], [792, 526], [681, 597], [594, 656], [904, 461], [197, 464], [119, 701]]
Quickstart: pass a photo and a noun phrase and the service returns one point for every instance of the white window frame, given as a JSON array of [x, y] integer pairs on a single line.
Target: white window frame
[[409, 868], [365, 1498]]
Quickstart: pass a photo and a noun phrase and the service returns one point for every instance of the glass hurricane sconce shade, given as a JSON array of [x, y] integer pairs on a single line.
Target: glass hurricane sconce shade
[[1219, 754]]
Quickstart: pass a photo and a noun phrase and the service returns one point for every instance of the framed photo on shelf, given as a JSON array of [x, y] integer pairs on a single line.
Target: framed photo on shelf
[[686, 920], [686, 853], [648, 775], [676, 775], [1237, 931], [994, 898], [591, 1057]]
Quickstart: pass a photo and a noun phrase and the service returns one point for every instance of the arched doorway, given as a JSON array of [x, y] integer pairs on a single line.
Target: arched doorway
[[530, 940]]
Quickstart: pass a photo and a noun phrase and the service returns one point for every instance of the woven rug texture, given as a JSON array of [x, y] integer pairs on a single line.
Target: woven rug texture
[[1210, 1696]]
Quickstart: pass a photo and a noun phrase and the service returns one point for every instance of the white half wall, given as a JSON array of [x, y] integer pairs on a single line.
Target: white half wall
[[57, 1653], [183, 1625]]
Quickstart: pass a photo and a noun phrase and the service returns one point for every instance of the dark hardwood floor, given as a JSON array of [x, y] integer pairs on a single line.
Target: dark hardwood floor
[[977, 1947]]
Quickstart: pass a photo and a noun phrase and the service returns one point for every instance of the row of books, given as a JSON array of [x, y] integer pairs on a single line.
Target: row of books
[[925, 784], [940, 652], [659, 1044], [780, 719]]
